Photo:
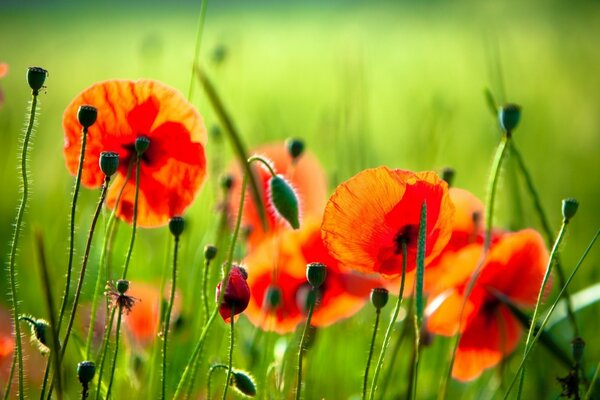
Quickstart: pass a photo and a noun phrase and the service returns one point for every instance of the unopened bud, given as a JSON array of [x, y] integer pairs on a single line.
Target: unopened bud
[[284, 200], [509, 116], [295, 148], [243, 382], [569, 209], [86, 371], [210, 252]]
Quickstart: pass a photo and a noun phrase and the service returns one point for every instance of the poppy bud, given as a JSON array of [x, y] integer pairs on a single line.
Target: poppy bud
[[448, 174], [215, 132], [40, 330], [273, 298], [578, 345], [86, 371], [210, 252], [176, 226], [86, 115], [295, 148], [141, 144], [109, 162], [509, 116], [379, 297], [237, 293], [316, 274], [122, 286], [569, 209], [226, 182], [284, 200], [242, 381], [36, 77]]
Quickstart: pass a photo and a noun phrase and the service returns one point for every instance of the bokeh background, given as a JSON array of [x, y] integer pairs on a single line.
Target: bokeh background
[[364, 84]]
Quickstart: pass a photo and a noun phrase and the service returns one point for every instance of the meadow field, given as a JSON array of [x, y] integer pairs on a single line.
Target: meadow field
[[363, 85]]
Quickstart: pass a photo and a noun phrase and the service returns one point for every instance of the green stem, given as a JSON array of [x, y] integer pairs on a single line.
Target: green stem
[[14, 298], [262, 161], [540, 330], [104, 352], [84, 263], [553, 254], [302, 343], [390, 328], [11, 374], [203, 5], [138, 167], [168, 319], [371, 347], [230, 361], [205, 287], [190, 364], [114, 362], [210, 373], [588, 394]]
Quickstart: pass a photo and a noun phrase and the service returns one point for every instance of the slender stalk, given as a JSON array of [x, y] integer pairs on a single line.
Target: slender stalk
[[12, 274], [490, 201], [84, 263], [371, 347], [167, 323], [138, 167], [201, 19], [114, 362], [11, 374], [103, 353], [553, 254], [588, 394], [230, 360], [390, 328], [205, 287], [212, 369], [302, 343]]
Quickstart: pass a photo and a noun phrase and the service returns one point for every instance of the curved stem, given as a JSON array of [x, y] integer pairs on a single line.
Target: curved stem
[[302, 343], [203, 5], [262, 161], [86, 255], [230, 362], [114, 363], [390, 328], [168, 320], [14, 298], [371, 347], [210, 373], [104, 351]]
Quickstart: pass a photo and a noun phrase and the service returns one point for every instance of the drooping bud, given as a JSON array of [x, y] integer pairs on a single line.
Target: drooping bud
[[448, 174], [40, 332], [569, 209], [86, 371], [226, 182], [243, 382], [176, 225], [273, 298], [109, 162], [284, 200], [237, 293], [141, 144], [509, 116], [295, 148], [210, 252], [122, 286], [379, 297], [36, 76], [86, 115], [316, 274]]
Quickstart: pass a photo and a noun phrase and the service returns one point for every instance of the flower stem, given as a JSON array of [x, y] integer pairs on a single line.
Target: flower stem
[[138, 167], [114, 362], [88, 246], [371, 347], [230, 361], [201, 19], [210, 374], [302, 343], [167, 323], [14, 298], [104, 352], [390, 328], [11, 374]]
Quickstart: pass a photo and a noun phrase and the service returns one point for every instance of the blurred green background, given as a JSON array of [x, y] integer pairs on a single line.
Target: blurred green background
[[364, 84]]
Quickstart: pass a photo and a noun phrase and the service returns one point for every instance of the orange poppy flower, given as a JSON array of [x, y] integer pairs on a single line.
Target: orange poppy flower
[[280, 262], [306, 176], [515, 268], [172, 169], [370, 215], [142, 321]]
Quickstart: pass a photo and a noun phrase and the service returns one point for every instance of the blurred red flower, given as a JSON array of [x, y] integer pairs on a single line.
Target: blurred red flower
[[513, 268], [280, 263], [172, 169], [371, 214], [237, 293]]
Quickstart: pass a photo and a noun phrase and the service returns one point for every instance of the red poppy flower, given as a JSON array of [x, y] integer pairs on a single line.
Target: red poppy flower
[[280, 263], [370, 215], [237, 293], [306, 176], [172, 169], [515, 268], [142, 322]]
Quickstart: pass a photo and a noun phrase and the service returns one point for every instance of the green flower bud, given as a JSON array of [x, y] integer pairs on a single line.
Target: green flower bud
[[40, 332], [569, 209], [86, 371], [243, 382], [509, 116], [226, 182], [122, 286], [109, 162], [86, 115], [273, 298], [448, 174], [36, 77], [210, 252], [284, 200], [295, 148], [141, 144], [176, 225], [379, 297], [316, 274]]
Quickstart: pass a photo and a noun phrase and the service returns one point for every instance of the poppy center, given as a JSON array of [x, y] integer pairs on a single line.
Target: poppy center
[[490, 307], [407, 235], [131, 152]]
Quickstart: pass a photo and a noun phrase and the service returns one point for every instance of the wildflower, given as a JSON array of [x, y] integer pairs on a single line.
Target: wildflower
[[305, 175], [116, 293], [514, 268], [172, 169], [237, 293], [278, 265], [369, 218]]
